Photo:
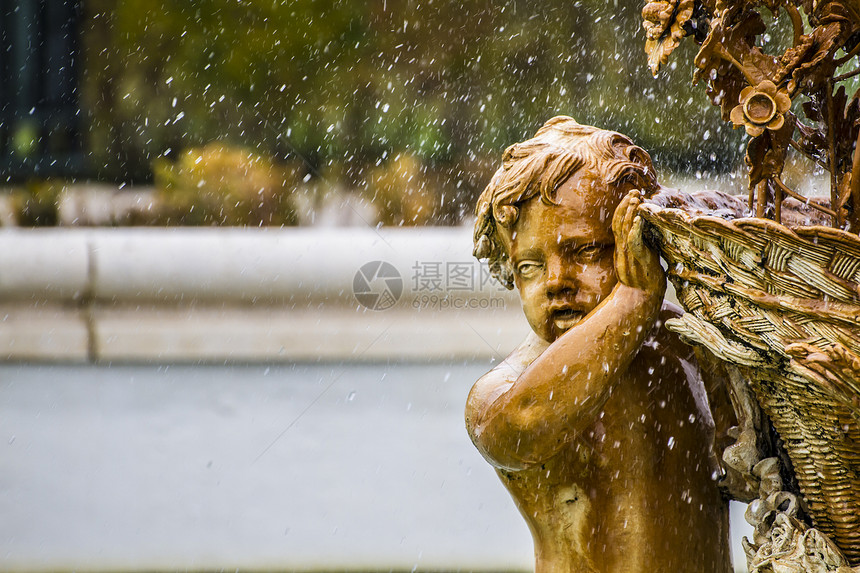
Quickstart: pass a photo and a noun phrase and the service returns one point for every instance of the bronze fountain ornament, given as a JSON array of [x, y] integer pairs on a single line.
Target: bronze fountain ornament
[[756, 90], [602, 424], [777, 296], [620, 444]]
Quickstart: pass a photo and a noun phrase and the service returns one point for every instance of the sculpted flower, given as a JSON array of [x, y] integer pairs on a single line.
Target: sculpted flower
[[761, 107]]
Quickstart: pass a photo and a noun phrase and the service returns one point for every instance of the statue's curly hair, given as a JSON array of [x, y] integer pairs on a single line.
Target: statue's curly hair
[[540, 165]]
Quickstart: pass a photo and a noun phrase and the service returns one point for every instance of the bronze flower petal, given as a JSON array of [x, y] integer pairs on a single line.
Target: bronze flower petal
[[746, 93], [767, 87], [754, 130], [783, 102], [737, 116], [776, 123]]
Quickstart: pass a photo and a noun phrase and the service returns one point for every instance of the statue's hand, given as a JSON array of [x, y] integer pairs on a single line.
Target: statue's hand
[[636, 264]]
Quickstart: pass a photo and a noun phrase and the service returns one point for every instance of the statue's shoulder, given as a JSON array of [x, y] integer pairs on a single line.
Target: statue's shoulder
[[498, 380]]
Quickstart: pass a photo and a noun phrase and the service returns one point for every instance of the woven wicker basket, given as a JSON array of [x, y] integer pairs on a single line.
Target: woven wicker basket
[[783, 304]]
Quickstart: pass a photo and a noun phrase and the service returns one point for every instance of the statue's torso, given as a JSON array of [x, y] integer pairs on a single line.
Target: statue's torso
[[634, 491]]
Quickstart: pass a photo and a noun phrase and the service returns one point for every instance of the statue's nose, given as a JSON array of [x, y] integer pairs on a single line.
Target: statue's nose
[[559, 277]]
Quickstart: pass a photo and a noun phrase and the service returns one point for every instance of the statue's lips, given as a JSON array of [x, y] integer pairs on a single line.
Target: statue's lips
[[566, 318]]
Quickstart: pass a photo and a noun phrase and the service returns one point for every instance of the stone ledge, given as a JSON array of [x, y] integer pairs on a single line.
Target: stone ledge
[[215, 294], [55, 333], [181, 265]]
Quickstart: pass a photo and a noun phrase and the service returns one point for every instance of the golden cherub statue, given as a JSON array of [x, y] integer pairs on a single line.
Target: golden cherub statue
[[599, 423]]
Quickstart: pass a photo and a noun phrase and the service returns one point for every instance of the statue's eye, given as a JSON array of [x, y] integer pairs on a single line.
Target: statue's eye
[[590, 252], [528, 269]]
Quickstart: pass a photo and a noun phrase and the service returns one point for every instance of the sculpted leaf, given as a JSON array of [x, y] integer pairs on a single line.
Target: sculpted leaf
[[665, 23], [724, 88], [766, 153], [811, 63]]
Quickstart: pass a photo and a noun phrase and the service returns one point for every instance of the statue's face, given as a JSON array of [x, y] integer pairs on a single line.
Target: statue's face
[[563, 255]]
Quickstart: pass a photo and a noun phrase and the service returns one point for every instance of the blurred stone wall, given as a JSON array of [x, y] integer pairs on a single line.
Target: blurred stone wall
[[247, 295]]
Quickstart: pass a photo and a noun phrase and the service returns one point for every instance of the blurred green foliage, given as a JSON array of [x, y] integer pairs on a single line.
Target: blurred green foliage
[[346, 86], [222, 185], [403, 192]]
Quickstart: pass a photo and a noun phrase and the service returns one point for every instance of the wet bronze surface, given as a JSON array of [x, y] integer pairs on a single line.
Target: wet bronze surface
[[598, 424]]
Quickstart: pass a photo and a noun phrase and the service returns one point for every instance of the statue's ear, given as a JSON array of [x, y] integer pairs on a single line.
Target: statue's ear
[[643, 174], [640, 177], [630, 181]]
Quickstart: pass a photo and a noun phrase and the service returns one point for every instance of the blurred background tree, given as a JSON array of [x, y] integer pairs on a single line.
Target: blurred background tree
[[345, 87]]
